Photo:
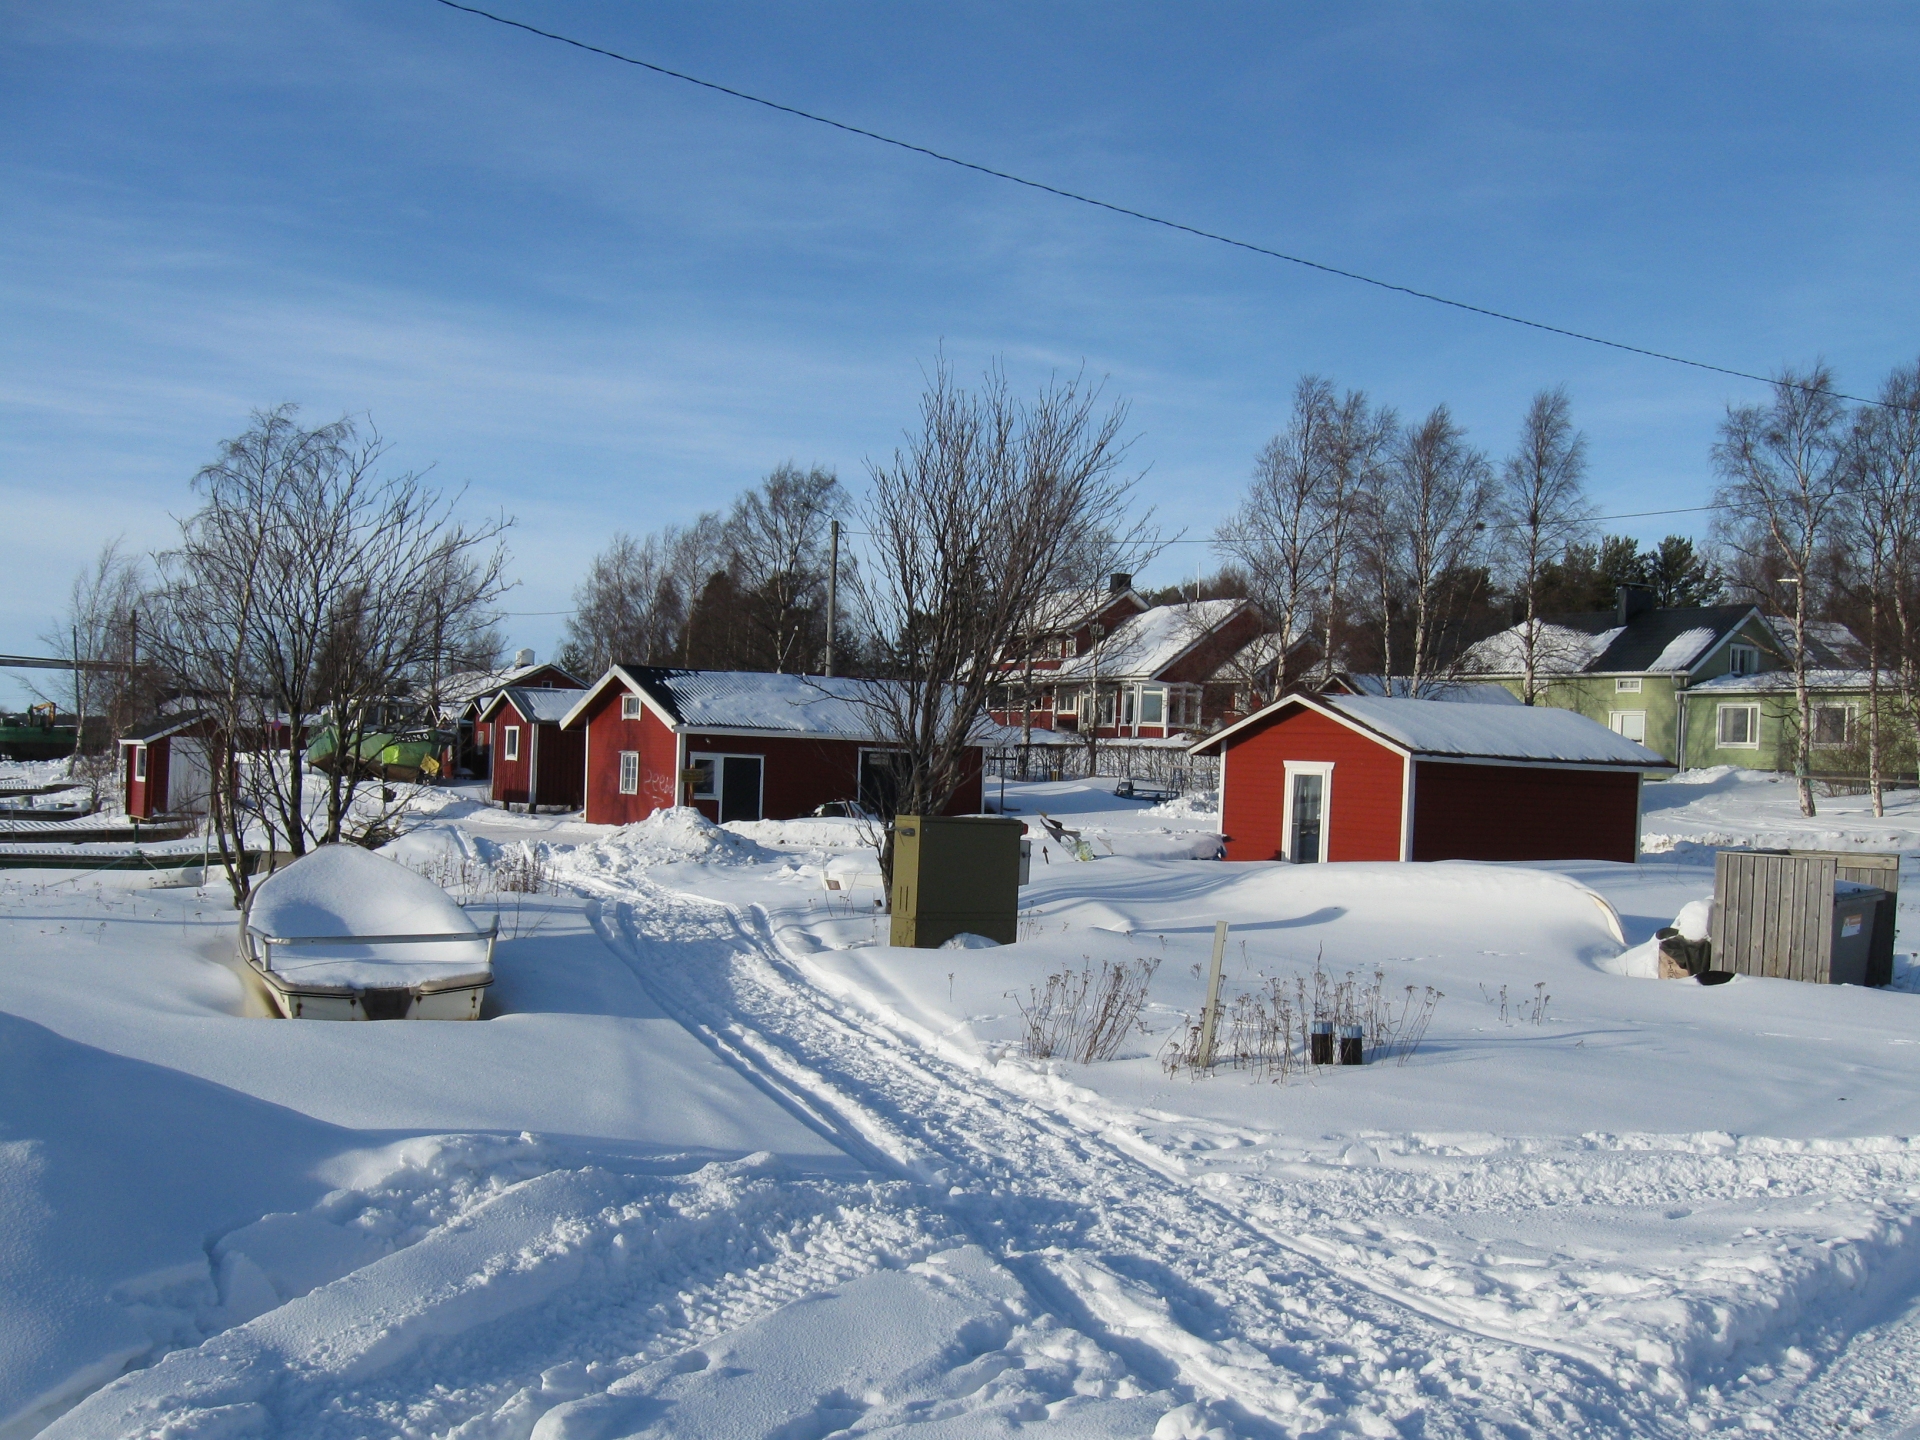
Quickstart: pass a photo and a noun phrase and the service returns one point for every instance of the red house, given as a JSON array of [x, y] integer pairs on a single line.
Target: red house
[[163, 767], [535, 762], [464, 696], [1348, 777], [735, 745]]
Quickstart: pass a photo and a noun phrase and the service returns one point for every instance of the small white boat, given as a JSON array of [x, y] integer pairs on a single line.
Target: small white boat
[[345, 934]]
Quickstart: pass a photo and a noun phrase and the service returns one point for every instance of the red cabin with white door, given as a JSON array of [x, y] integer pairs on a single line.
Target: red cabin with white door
[[736, 745], [1363, 778]]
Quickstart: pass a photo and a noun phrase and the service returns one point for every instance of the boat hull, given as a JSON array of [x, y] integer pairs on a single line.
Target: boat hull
[[419, 1002]]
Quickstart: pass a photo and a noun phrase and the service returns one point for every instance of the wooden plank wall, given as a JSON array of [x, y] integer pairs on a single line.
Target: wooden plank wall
[[1773, 914]]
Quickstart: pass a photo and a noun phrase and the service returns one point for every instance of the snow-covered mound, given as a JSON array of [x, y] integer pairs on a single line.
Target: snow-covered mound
[[667, 837], [1188, 807], [816, 832]]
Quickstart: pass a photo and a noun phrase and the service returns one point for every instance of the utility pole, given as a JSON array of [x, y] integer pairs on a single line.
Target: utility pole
[[833, 586]]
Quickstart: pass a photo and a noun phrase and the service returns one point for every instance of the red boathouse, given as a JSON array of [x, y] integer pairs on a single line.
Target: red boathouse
[[736, 745], [1364, 778]]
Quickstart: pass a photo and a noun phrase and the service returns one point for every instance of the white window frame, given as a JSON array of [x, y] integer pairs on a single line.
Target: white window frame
[[1850, 711], [1720, 727], [1627, 685], [1743, 659], [629, 772], [1324, 769], [629, 707], [509, 742], [140, 762], [1614, 717], [1156, 693]]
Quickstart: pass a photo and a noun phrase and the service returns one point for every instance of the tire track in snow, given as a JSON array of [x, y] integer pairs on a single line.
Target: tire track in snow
[[1189, 1292]]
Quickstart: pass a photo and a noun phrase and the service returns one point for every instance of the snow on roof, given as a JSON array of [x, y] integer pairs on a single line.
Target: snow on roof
[[828, 706], [465, 685], [538, 704], [1537, 733], [1146, 644], [1557, 650], [1829, 643], [1519, 732], [1458, 692], [1769, 682], [1684, 649], [1070, 609]]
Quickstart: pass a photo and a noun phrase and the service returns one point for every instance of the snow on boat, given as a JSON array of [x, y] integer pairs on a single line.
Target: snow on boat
[[345, 934]]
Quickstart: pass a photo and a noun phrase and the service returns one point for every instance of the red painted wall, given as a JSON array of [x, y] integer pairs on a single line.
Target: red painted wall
[[146, 798], [1507, 812], [608, 735], [1364, 820], [508, 783]]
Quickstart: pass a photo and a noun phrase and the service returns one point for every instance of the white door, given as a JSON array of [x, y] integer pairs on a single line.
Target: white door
[[1308, 804]]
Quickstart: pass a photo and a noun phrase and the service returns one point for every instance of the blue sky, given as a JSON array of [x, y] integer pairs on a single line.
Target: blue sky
[[602, 299]]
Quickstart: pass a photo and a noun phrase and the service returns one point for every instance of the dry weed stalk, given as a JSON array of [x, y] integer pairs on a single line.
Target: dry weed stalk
[[1084, 1016]]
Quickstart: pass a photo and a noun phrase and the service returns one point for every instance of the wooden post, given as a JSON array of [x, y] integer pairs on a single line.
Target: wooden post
[[833, 588], [1210, 1016]]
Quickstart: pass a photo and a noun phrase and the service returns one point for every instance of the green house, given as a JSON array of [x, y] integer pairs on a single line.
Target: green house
[[1702, 685]]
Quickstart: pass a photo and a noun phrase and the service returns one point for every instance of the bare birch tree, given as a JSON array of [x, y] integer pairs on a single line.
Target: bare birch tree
[[1542, 506], [778, 538], [99, 636], [973, 523], [1281, 533], [1885, 515], [1356, 437], [1429, 521], [1783, 489], [308, 588]]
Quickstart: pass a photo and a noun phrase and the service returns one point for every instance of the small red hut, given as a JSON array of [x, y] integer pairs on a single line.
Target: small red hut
[[1348, 777], [163, 767], [535, 762], [736, 745]]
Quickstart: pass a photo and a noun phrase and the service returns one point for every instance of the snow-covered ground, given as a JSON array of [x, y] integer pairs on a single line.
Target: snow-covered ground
[[720, 1162]]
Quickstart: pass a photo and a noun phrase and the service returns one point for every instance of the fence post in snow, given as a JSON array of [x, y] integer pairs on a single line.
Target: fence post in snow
[[1210, 1016]]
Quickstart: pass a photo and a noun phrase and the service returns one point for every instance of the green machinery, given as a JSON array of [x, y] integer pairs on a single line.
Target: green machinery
[[955, 875]]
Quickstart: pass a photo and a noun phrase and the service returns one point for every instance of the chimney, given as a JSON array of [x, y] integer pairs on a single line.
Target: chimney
[[522, 659], [1118, 584], [1629, 601]]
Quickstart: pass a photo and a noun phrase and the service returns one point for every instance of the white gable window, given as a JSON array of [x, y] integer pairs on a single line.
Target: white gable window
[[629, 772], [1627, 685], [510, 743], [1739, 727], [1831, 726], [139, 762], [1743, 660], [629, 707]]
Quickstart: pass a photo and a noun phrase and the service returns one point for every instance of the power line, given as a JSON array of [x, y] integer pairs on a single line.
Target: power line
[[1143, 215]]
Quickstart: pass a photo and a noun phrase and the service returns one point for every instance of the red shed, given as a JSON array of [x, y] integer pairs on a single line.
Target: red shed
[[536, 762], [1347, 777], [736, 745], [163, 767]]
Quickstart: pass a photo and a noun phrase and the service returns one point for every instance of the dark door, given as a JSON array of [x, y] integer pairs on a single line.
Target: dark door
[[739, 788], [1307, 792]]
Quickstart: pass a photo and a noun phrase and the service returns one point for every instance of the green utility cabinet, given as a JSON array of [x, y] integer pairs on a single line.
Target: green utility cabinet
[[954, 875]]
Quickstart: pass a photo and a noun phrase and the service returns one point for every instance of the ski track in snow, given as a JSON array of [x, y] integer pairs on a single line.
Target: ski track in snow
[[1197, 1294]]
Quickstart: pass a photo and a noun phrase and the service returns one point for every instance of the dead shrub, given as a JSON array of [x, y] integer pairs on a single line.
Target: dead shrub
[[1083, 1015]]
